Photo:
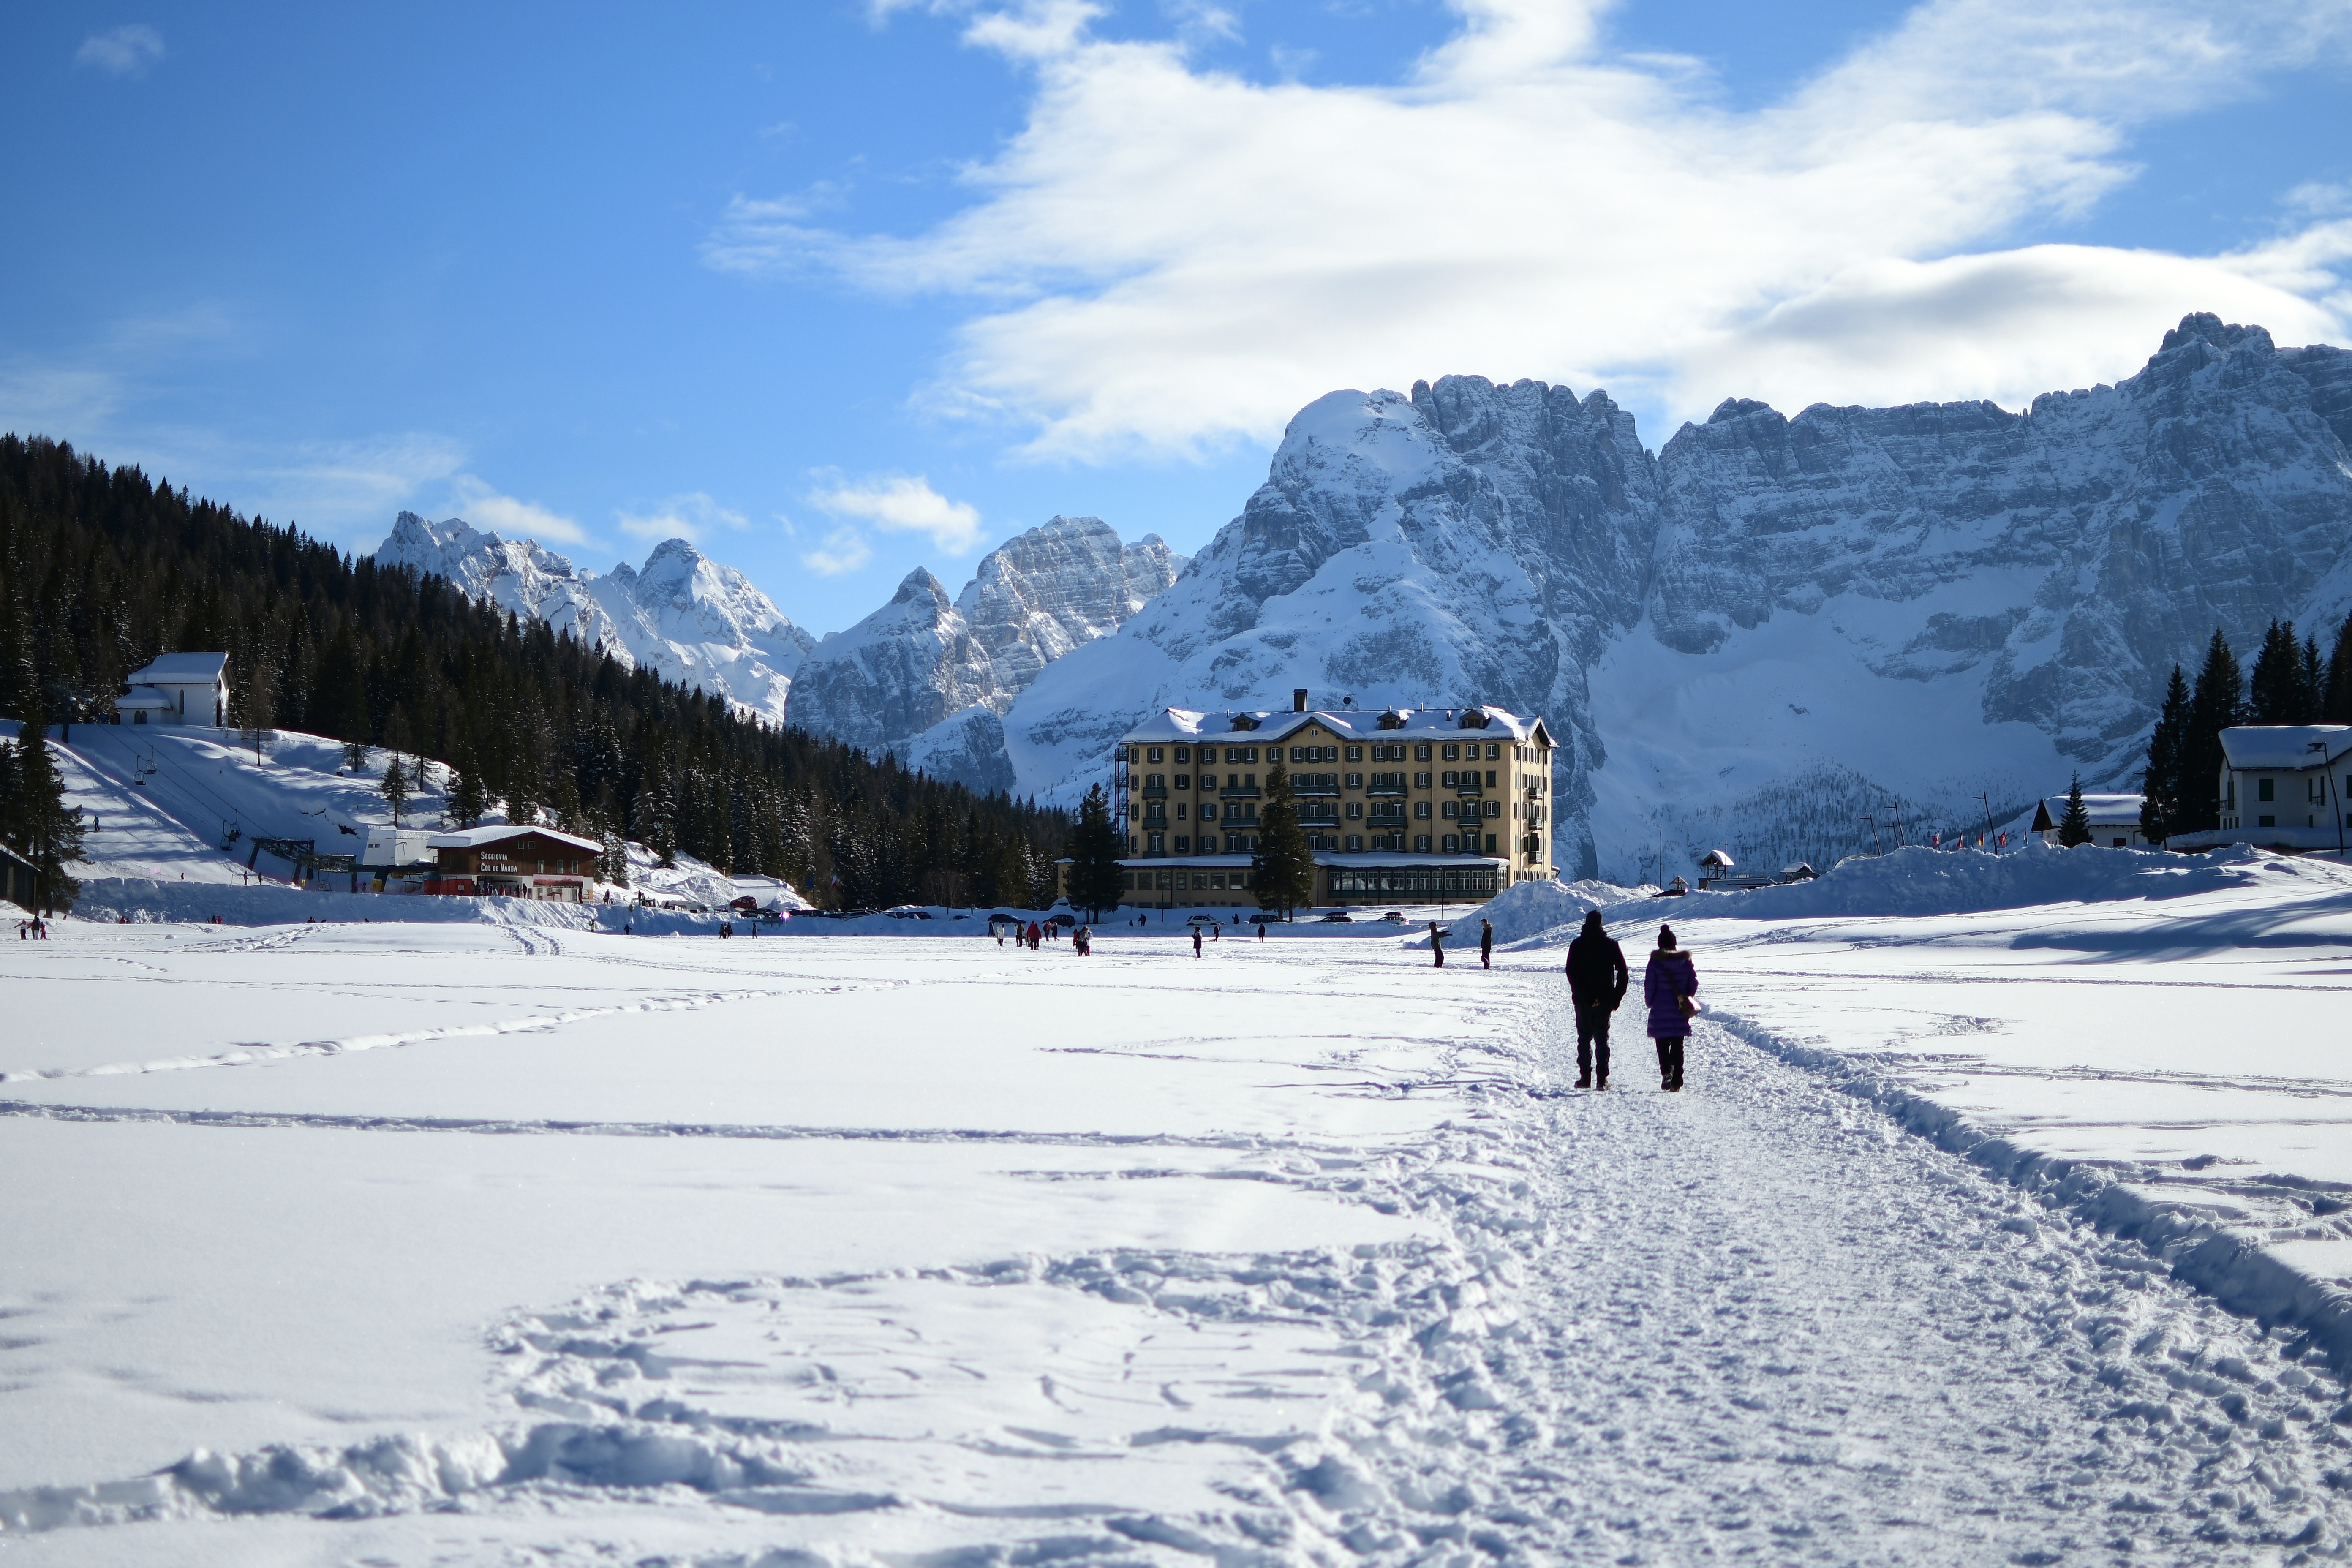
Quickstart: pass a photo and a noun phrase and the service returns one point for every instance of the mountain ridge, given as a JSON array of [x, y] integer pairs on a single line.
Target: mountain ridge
[[1944, 600]]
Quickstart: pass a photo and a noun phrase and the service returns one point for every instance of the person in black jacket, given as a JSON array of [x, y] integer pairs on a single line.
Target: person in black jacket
[[1597, 980]]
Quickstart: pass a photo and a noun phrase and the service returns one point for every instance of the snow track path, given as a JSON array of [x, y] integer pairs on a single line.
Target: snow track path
[[1777, 1326]]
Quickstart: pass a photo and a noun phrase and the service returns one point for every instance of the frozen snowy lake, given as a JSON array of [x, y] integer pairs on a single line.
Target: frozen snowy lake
[[465, 1243]]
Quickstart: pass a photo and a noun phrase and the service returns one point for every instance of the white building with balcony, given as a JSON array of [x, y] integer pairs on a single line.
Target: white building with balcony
[[2283, 787]]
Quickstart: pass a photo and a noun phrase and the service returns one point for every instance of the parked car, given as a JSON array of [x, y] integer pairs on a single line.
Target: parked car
[[1339, 917], [907, 912], [1394, 917], [1065, 921], [1204, 921]]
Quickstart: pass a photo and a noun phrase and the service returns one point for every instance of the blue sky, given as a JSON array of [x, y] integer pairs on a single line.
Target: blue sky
[[842, 288]]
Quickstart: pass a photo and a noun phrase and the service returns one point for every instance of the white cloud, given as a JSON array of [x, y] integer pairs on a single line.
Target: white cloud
[[898, 504], [123, 51], [844, 550], [1167, 258], [691, 517], [512, 519]]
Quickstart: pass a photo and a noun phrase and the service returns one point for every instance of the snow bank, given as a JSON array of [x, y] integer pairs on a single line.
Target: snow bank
[[142, 902], [1916, 881], [1526, 910], [1919, 881]]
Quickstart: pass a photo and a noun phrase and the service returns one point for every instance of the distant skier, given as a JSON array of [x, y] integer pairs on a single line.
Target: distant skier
[[1597, 981], [1670, 987], [1486, 944], [1436, 946], [1196, 942], [1035, 936]]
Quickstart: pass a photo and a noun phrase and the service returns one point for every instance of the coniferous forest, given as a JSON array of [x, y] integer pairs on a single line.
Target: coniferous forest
[[102, 569]]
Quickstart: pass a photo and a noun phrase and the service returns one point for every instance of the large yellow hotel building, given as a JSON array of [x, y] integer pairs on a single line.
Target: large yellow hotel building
[[1400, 806]]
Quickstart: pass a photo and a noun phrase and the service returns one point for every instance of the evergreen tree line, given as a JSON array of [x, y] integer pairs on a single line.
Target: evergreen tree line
[[2292, 684], [102, 569]]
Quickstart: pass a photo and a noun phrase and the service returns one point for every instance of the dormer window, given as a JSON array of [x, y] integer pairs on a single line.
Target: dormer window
[[1474, 718]]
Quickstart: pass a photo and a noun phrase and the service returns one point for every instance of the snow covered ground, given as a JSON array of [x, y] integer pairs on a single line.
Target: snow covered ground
[[469, 1244]]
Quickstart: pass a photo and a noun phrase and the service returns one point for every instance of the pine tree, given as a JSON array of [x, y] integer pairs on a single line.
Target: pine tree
[[35, 820], [259, 699], [356, 755], [1095, 871], [2219, 703], [2161, 785], [395, 788], [612, 865], [468, 803], [2074, 827], [1282, 872], [2279, 692], [2335, 703]]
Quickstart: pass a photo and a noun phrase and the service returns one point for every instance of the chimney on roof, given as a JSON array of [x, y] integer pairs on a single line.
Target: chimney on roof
[[1299, 701]]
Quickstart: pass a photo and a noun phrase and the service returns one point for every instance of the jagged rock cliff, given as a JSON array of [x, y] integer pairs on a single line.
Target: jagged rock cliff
[[1909, 606], [927, 678], [682, 615]]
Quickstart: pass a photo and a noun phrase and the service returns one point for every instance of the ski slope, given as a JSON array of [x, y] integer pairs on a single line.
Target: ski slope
[[171, 818], [476, 1245]]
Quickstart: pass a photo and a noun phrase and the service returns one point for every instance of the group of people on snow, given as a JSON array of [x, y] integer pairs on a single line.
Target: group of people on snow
[[1597, 983]]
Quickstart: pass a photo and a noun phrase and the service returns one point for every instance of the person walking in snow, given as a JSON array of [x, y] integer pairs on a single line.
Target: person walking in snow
[[1196, 942], [1670, 987], [1597, 981], [1436, 946], [1486, 944]]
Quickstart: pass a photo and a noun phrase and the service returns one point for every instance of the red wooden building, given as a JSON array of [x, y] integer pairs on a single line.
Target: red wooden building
[[514, 863]]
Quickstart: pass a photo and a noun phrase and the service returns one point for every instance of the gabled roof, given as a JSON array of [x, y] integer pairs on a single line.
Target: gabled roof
[[1479, 722], [474, 837], [2284, 746], [182, 669], [147, 696]]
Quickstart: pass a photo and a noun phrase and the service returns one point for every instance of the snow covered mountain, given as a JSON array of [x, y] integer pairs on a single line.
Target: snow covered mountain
[[929, 677], [682, 615], [1791, 636]]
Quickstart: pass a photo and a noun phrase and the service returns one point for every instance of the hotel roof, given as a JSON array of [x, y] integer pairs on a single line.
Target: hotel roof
[[1477, 723]]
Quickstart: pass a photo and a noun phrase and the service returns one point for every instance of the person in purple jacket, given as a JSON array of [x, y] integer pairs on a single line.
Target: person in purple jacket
[[1669, 986]]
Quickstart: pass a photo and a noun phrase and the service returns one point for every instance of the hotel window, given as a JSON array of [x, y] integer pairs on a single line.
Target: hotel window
[[1355, 781], [2264, 789], [1420, 752], [1355, 811], [1183, 781], [1450, 751], [1494, 751], [1208, 811], [1153, 756], [1183, 754], [1355, 753], [1355, 843], [1421, 781], [1182, 844], [1450, 843], [1449, 810], [1421, 843], [1420, 810], [1179, 808]]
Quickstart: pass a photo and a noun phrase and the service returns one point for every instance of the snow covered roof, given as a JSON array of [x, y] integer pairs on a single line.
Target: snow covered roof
[[182, 669], [2106, 811], [1476, 722], [147, 696], [2286, 746], [471, 837], [1321, 856]]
